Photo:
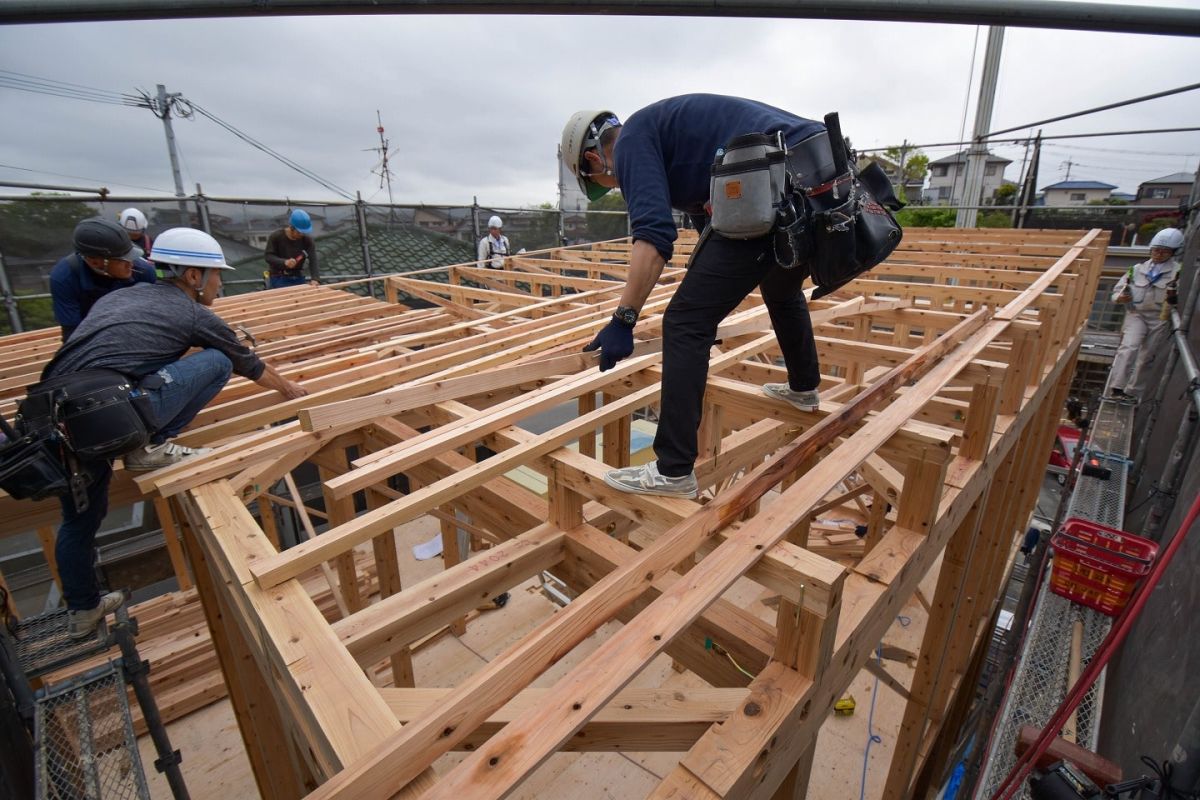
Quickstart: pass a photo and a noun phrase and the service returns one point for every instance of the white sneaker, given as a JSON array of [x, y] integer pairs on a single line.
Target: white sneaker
[[805, 401], [647, 480], [81, 624], [157, 456]]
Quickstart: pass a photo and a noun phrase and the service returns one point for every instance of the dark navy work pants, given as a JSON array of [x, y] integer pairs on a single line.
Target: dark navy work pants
[[720, 276]]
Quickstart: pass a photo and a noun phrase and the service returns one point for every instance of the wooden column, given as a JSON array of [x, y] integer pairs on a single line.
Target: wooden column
[[277, 770], [166, 520], [46, 535], [387, 566], [616, 438], [805, 643], [339, 511]]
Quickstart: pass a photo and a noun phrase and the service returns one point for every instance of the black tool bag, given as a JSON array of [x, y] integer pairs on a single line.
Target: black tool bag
[[92, 409], [852, 226], [32, 467]]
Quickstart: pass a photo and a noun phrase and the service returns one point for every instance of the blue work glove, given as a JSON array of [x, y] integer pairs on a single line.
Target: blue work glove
[[615, 341]]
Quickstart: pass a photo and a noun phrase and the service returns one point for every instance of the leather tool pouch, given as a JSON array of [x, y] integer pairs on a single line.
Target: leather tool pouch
[[33, 468], [748, 186], [94, 411], [852, 229]]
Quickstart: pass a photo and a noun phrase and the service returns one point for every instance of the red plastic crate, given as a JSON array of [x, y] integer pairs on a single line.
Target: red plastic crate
[[1098, 566]]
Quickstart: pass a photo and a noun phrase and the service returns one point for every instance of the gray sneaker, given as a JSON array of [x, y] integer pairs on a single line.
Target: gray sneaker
[[647, 480], [805, 401], [81, 624], [157, 456]]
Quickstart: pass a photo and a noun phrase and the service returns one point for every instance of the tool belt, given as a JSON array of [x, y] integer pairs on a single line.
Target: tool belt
[[65, 422], [822, 211]]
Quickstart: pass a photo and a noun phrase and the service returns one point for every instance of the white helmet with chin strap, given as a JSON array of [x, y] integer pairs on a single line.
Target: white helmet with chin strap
[[1171, 238], [582, 133], [179, 248], [495, 222], [133, 220]]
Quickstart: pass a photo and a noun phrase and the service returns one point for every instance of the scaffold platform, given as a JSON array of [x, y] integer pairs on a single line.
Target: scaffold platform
[[1040, 680]]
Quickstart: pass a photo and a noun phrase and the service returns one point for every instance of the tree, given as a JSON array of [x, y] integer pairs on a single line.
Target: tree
[[41, 229], [1005, 194], [926, 217], [916, 163], [608, 226]]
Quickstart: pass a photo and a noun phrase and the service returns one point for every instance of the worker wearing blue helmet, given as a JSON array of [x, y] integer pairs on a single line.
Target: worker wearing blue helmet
[[289, 250]]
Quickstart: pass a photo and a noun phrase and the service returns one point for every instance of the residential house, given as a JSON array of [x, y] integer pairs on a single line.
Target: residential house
[[1165, 191], [948, 176], [1076, 193], [912, 186]]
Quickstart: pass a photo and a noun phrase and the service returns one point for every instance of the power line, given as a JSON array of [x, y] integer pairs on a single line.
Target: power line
[[83, 178], [1001, 142], [21, 81], [1142, 99], [1124, 152], [255, 143]]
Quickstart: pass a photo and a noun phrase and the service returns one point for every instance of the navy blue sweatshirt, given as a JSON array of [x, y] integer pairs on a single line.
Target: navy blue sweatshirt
[[665, 150], [75, 287]]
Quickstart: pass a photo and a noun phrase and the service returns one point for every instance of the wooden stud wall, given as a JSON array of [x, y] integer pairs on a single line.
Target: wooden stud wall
[[943, 374]]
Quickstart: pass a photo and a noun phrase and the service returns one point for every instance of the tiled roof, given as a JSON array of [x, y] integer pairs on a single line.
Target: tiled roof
[[394, 248], [1174, 177], [961, 157], [1079, 185]]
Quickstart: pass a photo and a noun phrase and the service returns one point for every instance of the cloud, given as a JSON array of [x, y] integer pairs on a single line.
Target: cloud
[[473, 106]]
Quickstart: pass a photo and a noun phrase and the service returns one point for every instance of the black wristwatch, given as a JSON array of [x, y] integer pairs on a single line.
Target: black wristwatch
[[626, 315]]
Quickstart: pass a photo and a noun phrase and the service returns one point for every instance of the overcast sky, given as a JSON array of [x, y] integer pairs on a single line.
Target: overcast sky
[[474, 106]]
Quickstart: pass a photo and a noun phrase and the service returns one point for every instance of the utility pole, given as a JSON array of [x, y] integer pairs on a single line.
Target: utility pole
[[1068, 164], [1028, 185], [162, 110], [977, 153]]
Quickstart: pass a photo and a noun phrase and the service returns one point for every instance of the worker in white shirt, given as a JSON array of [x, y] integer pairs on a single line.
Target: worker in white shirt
[[1144, 289], [493, 248]]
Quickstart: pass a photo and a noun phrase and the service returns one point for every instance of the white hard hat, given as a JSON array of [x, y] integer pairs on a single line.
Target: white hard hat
[[1168, 237], [582, 132], [188, 247], [132, 220], [495, 222]]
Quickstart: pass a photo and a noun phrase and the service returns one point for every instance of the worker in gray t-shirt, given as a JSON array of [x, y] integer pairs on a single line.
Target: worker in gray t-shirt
[[145, 333]]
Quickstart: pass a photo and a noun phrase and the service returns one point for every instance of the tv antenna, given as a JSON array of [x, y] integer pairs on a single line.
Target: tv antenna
[[381, 169]]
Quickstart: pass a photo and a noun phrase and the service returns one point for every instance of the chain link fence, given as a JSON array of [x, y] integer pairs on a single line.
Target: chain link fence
[[353, 240], [361, 240]]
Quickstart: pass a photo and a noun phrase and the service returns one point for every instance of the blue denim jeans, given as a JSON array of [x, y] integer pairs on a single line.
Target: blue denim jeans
[[187, 386], [280, 281]]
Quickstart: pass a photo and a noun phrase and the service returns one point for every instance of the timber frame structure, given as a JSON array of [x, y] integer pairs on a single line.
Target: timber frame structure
[[944, 372]]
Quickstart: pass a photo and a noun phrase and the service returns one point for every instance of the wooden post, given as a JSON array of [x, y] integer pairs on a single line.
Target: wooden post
[[166, 520], [566, 505], [338, 592], [339, 511], [387, 566], [616, 438], [273, 760], [587, 441], [46, 535], [805, 643]]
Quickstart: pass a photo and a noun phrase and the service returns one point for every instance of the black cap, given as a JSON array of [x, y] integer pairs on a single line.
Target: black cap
[[103, 238]]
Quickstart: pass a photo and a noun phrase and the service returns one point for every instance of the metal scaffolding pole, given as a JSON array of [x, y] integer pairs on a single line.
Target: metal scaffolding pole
[[977, 154], [1058, 14]]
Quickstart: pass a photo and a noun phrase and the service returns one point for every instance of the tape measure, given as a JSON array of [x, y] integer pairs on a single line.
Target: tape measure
[[845, 706]]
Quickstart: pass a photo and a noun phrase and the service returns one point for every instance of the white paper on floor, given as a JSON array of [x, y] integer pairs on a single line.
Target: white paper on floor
[[428, 550]]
